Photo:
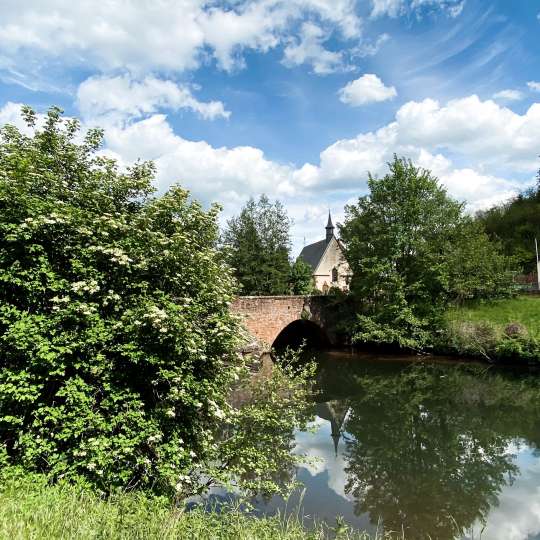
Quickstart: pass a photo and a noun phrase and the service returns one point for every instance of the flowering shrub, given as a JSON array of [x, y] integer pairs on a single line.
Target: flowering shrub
[[116, 342]]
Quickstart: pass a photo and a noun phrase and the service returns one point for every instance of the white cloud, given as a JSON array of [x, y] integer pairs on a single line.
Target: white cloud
[[509, 95], [485, 136], [395, 8], [481, 130], [533, 85], [224, 174], [309, 50], [390, 8], [468, 143], [367, 89], [171, 35], [10, 113], [122, 97], [370, 49]]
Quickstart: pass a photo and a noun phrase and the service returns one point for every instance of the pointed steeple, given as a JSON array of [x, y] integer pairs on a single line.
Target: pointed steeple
[[329, 228]]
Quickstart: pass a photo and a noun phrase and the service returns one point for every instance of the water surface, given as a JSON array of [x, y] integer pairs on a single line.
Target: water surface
[[440, 450]]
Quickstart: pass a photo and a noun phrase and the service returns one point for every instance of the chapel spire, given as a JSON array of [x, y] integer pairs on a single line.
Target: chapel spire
[[329, 228]]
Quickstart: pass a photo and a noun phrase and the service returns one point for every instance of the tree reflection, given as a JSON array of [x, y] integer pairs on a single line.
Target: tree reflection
[[428, 448]]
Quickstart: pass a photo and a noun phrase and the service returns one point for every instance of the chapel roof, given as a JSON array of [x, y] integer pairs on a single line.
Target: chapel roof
[[313, 253]]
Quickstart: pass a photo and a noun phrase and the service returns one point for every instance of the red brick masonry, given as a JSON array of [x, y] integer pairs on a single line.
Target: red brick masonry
[[266, 316]]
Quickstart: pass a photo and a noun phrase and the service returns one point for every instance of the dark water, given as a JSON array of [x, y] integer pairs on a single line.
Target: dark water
[[439, 450]]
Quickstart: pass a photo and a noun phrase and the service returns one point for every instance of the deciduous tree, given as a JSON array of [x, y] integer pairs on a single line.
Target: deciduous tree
[[406, 242]]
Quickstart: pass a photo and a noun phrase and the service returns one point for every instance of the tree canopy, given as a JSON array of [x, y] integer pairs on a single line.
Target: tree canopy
[[118, 351], [412, 249], [516, 224], [257, 245], [301, 279]]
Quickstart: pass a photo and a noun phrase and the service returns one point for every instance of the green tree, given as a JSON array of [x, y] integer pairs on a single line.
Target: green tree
[[477, 267], [301, 278], [516, 223], [257, 246], [405, 242], [118, 351], [117, 347]]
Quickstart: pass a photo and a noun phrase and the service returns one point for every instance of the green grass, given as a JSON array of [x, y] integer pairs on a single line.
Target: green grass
[[33, 510], [524, 310]]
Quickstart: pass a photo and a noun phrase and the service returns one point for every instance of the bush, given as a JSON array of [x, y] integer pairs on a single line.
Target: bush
[[520, 347], [485, 340], [116, 342], [471, 338]]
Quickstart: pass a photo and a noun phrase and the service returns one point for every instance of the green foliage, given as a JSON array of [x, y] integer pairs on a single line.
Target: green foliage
[[477, 268], [29, 508], [521, 310], [117, 347], [256, 446], [507, 330], [516, 224], [301, 279], [411, 251], [118, 351], [256, 244]]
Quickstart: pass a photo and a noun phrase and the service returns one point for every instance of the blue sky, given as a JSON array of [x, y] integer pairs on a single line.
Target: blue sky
[[298, 99]]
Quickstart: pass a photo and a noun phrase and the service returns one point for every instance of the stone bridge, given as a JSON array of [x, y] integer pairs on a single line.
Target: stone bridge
[[276, 320]]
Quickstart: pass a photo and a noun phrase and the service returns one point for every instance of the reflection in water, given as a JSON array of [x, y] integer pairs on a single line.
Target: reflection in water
[[439, 450]]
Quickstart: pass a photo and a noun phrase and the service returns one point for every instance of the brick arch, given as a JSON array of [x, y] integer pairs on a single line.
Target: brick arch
[[265, 317], [300, 331]]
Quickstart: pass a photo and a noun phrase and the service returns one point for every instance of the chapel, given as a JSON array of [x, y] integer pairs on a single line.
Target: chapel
[[327, 261]]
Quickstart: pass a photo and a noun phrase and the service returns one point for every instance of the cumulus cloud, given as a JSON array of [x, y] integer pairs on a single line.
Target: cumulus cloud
[[170, 35], [367, 89], [467, 143], [486, 136], [533, 85], [509, 95], [227, 174], [123, 97]]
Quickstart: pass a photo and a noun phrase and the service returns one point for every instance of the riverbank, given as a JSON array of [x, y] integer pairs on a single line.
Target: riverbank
[[31, 509], [499, 330]]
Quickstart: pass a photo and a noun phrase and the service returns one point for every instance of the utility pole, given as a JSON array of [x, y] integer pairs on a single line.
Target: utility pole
[[537, 264]]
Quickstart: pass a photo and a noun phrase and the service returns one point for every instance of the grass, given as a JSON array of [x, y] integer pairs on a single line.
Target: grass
[[33, 510], [524, 310]]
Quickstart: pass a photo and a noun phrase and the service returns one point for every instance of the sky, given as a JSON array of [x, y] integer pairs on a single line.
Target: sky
[[298, 99]]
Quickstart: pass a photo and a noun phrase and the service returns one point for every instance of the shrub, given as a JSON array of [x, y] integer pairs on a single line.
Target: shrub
[[116, 342], [518, 347], [471, 338]]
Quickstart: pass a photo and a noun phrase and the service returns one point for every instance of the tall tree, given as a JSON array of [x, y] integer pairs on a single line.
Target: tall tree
[[401, 241], [257, 246]]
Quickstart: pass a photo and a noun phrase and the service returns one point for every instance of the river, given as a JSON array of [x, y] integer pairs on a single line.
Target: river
[[437, 449]]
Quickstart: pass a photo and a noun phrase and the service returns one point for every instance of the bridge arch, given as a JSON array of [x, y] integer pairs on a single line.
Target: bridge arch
[[298, 331], [279, 318]]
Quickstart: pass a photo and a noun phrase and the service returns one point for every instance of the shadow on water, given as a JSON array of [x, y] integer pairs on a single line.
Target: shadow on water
[[440, 449]]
